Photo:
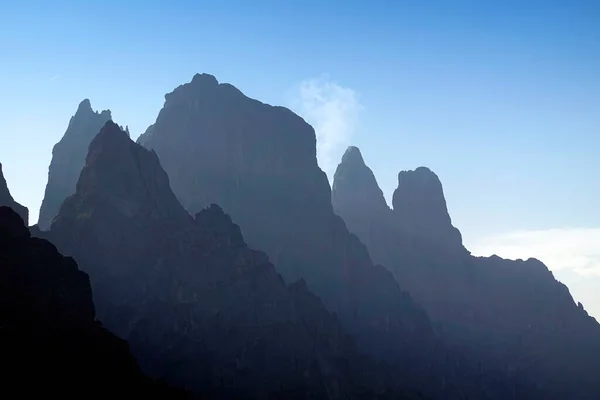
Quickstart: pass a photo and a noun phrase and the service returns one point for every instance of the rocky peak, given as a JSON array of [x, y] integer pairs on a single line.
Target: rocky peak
[[68, 158], [420, 206], [355, 189], [85, 107], [124, 175], [6, 199], [204, 80]]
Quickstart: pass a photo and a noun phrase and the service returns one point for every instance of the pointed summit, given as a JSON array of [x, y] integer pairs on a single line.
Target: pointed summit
[[6, 199], [68, 158], [420, 205], [125, 176], [85, 106], [355, 189], [353, 156]]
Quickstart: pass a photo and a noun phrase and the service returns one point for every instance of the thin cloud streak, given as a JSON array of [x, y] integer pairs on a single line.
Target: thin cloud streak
[[55, 77], [333, 111]]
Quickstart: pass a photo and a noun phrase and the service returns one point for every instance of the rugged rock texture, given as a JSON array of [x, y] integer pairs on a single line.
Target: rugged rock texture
[[7, 200], [512, 313], [200, 308], [68, 158], [49, 337], [259, 163]]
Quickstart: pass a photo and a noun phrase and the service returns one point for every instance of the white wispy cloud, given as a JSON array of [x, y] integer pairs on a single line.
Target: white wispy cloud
[[55, 77], [333, 111], [575, 249]]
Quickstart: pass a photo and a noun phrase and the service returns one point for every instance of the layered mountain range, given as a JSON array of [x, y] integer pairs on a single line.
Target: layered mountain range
[[216, 247], [199, 307], [68, 159], [514, 312]]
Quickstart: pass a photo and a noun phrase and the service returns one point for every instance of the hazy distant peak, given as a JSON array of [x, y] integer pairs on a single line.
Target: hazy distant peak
[[420, 204], [353, 156], [205, 79], [84, 105], [85, 108], [422, 175], [420, 188], [355, 188]]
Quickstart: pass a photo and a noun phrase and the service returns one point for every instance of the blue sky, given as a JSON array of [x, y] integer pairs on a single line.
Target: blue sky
[[500, 98]]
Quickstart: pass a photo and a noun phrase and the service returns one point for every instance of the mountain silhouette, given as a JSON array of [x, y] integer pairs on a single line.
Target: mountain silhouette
[[68, 158], [258, 162], [511, 312], [199, 307]]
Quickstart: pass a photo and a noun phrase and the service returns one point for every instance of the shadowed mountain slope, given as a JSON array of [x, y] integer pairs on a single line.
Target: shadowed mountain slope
[[68, 158], [200, 308], [259, 163], [514, 313], [49, 337]]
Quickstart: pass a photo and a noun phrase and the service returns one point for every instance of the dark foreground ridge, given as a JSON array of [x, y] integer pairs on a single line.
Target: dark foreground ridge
[[514, 314], [199, 307], [49, 339]]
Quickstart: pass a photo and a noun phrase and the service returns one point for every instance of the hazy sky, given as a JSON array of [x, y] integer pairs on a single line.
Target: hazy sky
[[500, 98]]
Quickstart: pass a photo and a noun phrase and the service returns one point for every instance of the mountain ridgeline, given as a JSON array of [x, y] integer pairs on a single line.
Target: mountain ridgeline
[[199, 308], [258, 162], [68, 159], [513, 313], [216, 248]]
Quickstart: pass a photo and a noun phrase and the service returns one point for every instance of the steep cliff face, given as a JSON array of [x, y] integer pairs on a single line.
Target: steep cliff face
[[513, 313], [68, 158], [48, 333], [200, 308], [259, 163], [7, 200]]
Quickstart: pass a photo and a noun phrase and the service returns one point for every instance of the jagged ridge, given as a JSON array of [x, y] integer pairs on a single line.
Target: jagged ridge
[[199, 307], [513, 313], [68, 158]]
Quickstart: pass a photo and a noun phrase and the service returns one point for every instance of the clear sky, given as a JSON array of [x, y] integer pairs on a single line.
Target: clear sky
[[500, 98]]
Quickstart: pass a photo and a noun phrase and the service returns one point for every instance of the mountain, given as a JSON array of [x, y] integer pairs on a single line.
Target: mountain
[[49, 336], [7, 200], [68, 158], [513, 313], [258, 162], [199, 307]]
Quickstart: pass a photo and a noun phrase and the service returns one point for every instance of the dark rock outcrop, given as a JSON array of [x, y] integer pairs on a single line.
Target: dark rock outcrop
[[199, 307], [49, 338], [513, 314], [7, 200], [68, 158]]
